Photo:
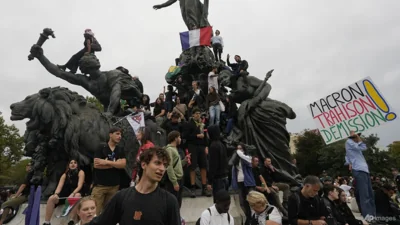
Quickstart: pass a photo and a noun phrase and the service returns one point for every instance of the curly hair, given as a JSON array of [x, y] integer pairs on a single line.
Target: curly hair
[[89, 62], [148, 155]]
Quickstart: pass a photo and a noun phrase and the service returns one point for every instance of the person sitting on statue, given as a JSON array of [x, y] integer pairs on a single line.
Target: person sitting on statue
[[159, 111], [169, 96], [91, 45], [180, 108], [239, 68], [145, 104], [70, 185], [198, 97], [20, 197], [217, 44]]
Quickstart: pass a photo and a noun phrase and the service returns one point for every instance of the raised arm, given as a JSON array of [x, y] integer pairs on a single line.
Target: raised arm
[[166, 4], [114, 98], [81, 80], [261, 93]]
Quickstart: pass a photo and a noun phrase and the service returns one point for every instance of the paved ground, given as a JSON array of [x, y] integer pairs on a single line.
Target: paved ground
[[191, 210]]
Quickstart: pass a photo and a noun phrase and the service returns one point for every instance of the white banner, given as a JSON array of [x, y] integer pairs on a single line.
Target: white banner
[[136, 121], [359, 106]]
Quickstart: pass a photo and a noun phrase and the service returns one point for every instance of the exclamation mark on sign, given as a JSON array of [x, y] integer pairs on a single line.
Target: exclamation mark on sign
[[378, 100]]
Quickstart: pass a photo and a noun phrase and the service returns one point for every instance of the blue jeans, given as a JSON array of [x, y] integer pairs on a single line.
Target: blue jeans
[[215, 112], [229, 126], [365, 193], [219, 184]]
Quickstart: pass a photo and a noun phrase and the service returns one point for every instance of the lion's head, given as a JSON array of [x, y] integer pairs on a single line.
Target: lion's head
[[24, 109], [51, 108]]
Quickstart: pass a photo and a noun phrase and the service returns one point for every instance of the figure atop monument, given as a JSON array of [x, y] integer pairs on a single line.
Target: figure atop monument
[[109, 87], [194, 13]]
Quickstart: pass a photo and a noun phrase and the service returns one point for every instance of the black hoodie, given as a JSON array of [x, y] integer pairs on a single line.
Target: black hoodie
[[218, 161]]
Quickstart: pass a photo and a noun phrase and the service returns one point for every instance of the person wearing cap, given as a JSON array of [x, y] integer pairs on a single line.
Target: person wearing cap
[[91, 45], [359, 168]]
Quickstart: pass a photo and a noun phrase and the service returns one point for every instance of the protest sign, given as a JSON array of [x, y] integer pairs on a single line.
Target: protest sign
[[358, 107]]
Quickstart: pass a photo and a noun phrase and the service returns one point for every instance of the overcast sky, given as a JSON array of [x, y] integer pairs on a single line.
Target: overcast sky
[[316, 46]]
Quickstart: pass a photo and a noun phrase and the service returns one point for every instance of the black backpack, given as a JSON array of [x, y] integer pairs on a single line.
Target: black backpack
[[198, 221]]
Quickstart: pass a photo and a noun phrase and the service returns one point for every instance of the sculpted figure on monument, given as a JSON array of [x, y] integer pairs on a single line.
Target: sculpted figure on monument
[[109, 87], [262, 121], [194, 13], [61, 122]]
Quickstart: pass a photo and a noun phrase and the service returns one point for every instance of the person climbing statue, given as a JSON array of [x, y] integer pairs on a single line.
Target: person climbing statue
[[239, 68], [217, 44], [91, 45]]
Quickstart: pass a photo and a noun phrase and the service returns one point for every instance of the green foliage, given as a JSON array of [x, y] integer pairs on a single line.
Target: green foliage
[[313, 156], [11, 149], [96, 102], [394, 152], [18, 172]]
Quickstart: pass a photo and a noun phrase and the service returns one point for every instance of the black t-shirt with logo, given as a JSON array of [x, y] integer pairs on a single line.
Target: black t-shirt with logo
[[108, 177], [129, 207]]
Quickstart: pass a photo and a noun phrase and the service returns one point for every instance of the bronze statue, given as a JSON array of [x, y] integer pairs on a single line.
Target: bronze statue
[[262, 121], [194, 13], [63, 123], [108, 87]]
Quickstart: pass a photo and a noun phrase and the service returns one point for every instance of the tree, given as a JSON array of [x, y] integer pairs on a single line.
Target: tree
[[394, 152], [11, 149], [308, 145], [18, 172], [313, 156], [96, 102]]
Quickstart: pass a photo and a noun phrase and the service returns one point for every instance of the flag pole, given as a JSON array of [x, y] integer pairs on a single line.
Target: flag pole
[[133, 113]]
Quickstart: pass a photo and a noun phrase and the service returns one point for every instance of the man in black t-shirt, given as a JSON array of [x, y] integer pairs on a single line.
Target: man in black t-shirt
[[305, 206], [109, 160], [146, 203]]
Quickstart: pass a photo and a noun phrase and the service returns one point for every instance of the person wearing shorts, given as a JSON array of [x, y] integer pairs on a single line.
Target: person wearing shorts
[[197, 142]]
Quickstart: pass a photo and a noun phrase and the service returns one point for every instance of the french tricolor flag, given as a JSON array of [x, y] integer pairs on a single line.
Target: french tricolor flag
[[198, 37]]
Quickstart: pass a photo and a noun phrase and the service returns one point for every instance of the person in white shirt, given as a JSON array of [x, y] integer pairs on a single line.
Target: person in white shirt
[[213, 79], [343, 185], [261, 212], [218, 213], [218, 45]]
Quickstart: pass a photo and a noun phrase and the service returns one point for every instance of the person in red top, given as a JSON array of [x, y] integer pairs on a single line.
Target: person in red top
[[143, 136]]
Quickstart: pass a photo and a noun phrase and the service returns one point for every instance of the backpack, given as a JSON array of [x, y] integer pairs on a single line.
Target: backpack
[[198, 221], [254, 220], [96, 45]]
